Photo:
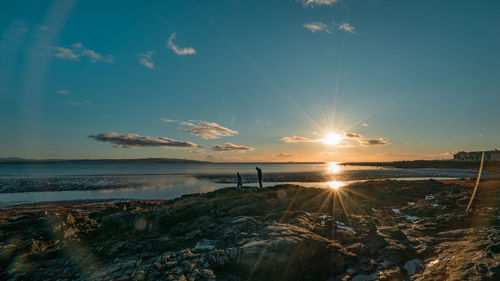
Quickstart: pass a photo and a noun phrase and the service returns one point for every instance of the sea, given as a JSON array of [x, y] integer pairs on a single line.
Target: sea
[[22, 183]]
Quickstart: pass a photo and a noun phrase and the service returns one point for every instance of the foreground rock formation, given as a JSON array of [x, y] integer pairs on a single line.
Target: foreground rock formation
[[386, 230]]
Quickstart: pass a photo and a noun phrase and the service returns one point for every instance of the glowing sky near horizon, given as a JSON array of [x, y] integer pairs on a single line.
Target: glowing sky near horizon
[[248, 80]]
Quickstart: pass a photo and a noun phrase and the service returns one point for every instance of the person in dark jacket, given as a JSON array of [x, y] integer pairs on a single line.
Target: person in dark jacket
[[259, 176], [240, 181]]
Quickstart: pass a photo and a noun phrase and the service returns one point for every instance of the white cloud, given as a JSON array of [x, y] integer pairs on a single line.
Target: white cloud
[[314, 3], [347, 27], [62, 92], [364, 125], [297, 139], [133, 141], [179, 51], [77, 50], [146, 60], [231, 147], [317, 27], [207, 130]]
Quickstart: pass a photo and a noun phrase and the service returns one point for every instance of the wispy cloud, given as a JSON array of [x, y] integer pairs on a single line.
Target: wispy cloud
[[62, 92], [207, 130], [231, 147], [347, 27], [146, 60], [77, 50], [365, 141], [317, 27], [64, 53], [168, 120], [134, 141], [79, 103], [314, 3], [178, 50], [297, 139], [283, 155]]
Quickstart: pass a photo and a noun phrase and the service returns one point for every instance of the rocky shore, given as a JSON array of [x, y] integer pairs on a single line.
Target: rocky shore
[[383, 230]]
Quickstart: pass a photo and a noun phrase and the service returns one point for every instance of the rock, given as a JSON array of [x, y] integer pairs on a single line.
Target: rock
[[414, 266]]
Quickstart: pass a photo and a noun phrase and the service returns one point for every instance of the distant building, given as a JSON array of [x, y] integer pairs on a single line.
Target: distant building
[[476, 155]]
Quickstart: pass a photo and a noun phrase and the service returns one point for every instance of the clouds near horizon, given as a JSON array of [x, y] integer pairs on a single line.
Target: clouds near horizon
[[134, 141], [297, 139], [283, 155], [231, 147], [363, 141]]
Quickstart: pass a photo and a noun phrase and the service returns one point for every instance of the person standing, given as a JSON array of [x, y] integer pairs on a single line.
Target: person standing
[[240, 181], [259, 176]]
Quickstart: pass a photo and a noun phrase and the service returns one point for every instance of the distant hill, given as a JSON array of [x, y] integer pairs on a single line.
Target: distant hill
[[139, 160], [443, 164]]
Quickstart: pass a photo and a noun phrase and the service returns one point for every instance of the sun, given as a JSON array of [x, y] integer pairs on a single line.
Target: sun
[[332, 139]]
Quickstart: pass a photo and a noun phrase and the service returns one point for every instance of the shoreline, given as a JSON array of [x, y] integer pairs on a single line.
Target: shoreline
[[93, 205], [371, 230]]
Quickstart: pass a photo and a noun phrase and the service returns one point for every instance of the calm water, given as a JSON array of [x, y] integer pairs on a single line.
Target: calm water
[[27, 183]]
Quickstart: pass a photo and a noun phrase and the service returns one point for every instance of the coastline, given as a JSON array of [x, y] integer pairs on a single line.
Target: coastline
[[395, 229]]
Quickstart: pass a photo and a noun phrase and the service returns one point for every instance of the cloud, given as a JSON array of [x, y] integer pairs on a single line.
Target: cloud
[[184, 123], [169, 120], [283, 155], [353, 136], [133, 141], [207, 130], [64, 53], [317, 27], [365, 141], [77, 50], [297, 139], [62, 92], [78, 103], [314, 3], [347, 27], [146, 60], [231, 147], [364, 125], [179, 51]]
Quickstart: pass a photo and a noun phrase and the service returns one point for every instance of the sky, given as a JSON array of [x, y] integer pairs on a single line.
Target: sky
[[281, 80]]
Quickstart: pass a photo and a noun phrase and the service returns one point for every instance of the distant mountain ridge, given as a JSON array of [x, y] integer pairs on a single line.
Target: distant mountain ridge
[[135, 160]]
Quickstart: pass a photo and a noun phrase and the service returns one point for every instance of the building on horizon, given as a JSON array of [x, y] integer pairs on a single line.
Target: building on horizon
[[476, 155]]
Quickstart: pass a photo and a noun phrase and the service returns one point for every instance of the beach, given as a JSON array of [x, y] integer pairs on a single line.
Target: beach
[[373, 230]]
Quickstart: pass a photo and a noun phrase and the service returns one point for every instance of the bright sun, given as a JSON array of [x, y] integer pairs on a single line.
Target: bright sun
[[332, 139]]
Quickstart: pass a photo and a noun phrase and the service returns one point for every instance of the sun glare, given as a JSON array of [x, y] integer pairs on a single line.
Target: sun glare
[[332, 139], [335, 184]]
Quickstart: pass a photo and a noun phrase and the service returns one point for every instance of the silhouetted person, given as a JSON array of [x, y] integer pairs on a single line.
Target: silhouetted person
[[259, 176], [240, 181]]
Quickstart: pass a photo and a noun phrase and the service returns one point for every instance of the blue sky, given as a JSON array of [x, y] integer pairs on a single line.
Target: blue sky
[[394, 79]]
